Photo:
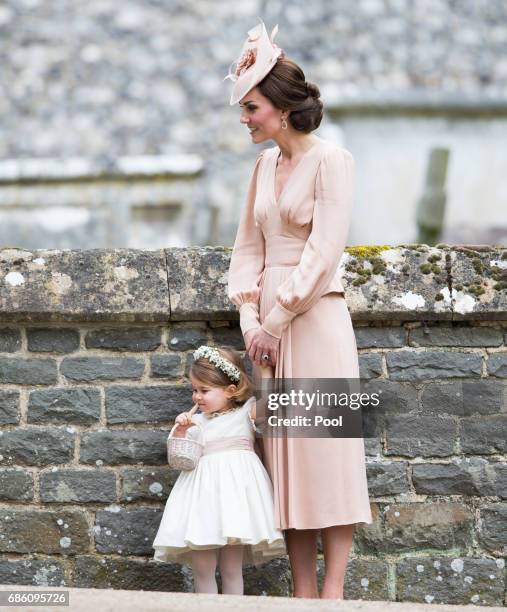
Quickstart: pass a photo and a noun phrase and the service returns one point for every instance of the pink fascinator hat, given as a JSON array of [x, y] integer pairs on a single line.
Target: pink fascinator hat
[[258, 57]]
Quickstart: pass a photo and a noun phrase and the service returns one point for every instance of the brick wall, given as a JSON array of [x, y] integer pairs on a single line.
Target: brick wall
[[92, 375]]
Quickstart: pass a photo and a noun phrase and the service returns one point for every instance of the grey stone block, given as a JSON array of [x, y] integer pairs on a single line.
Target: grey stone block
[[32, 572], [500, 471], [128, 446], [229, 335], [186, 337], [36, 446], [126, 531], [34, 371], [423, 436], [394, 398], [474, 476], [154, 404], [147, 483], [166, 366], [120, 339], [366, 579], [10, 340], [60, 532], [465, 398], [86, 369], [493, 532], [372, 447], [497, 365], [416, 526], [52, 340], [9, 406], [15, 485], [271, 579], [194, 293], [380, 337], [128, 285], [370, 365], [70, 485], [64, 405], [391, 280], [387, 478], [445, 335], [450, 580], [483, 435], [113, 573], [477, 279], [427, 365]]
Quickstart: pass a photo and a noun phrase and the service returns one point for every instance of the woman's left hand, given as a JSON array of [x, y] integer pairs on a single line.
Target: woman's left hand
[[263, 344]]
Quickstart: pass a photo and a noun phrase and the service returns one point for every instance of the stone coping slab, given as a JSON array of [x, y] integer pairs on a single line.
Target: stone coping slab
[[405, 282], [82, 169], [109, 600], [417, 101]]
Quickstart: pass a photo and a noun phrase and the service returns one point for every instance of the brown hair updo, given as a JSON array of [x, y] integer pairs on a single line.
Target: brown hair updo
[[287, 89], [205, 372]]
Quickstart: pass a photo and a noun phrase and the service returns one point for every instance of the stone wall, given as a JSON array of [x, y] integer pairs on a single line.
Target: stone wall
[[94, 78], [94, 351], [135, 201], [101, 80]]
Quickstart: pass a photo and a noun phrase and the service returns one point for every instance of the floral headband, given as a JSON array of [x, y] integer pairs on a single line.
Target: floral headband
[[257, 58], [214, 357]]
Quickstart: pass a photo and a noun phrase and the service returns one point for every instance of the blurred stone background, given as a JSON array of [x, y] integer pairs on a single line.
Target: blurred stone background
[[116, 129]]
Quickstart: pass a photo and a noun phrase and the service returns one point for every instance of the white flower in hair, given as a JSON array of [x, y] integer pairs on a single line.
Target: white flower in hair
[[213, 356]]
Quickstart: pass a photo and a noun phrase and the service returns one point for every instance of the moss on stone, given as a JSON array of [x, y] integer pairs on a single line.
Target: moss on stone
[[364, 254], [364, 272], [366, 251], [476, 289], [478, 266]]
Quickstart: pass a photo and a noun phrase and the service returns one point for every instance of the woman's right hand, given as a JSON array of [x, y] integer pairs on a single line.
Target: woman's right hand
[[249, 336], [263, 344]]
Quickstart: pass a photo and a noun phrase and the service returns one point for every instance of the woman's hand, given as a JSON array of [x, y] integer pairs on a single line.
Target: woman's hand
[[261, 344], [249, 337]]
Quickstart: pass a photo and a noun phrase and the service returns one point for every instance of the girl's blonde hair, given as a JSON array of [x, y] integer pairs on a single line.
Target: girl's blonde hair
[[206, 373]]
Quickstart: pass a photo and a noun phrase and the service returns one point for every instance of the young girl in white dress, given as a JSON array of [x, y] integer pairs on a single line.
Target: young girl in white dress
[[222, 511]]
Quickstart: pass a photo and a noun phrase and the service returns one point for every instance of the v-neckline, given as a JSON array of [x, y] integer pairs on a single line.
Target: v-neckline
[[276, 157]]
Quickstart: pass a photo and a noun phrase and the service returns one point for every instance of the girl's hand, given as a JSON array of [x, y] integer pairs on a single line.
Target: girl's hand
[[184, 419], [263, 344]]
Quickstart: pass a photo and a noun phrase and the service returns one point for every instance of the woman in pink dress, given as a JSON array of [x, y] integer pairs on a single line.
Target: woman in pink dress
[[283, 278]]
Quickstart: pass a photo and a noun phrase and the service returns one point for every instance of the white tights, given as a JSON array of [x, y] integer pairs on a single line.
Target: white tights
[[230, 561]]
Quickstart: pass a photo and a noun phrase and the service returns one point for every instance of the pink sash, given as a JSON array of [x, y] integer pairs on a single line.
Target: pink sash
[[232, 443]]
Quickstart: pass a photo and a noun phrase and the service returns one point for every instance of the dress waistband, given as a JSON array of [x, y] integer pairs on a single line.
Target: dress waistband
[[283, 251], [232, 443]]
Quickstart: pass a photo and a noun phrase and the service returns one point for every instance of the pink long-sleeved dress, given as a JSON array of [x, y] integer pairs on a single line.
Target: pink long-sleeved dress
[[284, 277]]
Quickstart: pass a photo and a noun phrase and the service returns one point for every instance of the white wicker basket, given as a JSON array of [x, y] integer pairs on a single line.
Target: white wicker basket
[[184, 453]]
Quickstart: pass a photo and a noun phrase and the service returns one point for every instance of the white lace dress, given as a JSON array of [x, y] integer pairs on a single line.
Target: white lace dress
[[226, 499]]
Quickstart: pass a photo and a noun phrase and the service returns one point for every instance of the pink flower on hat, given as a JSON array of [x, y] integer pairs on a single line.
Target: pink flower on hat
[[245, 61], [282, 54]]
